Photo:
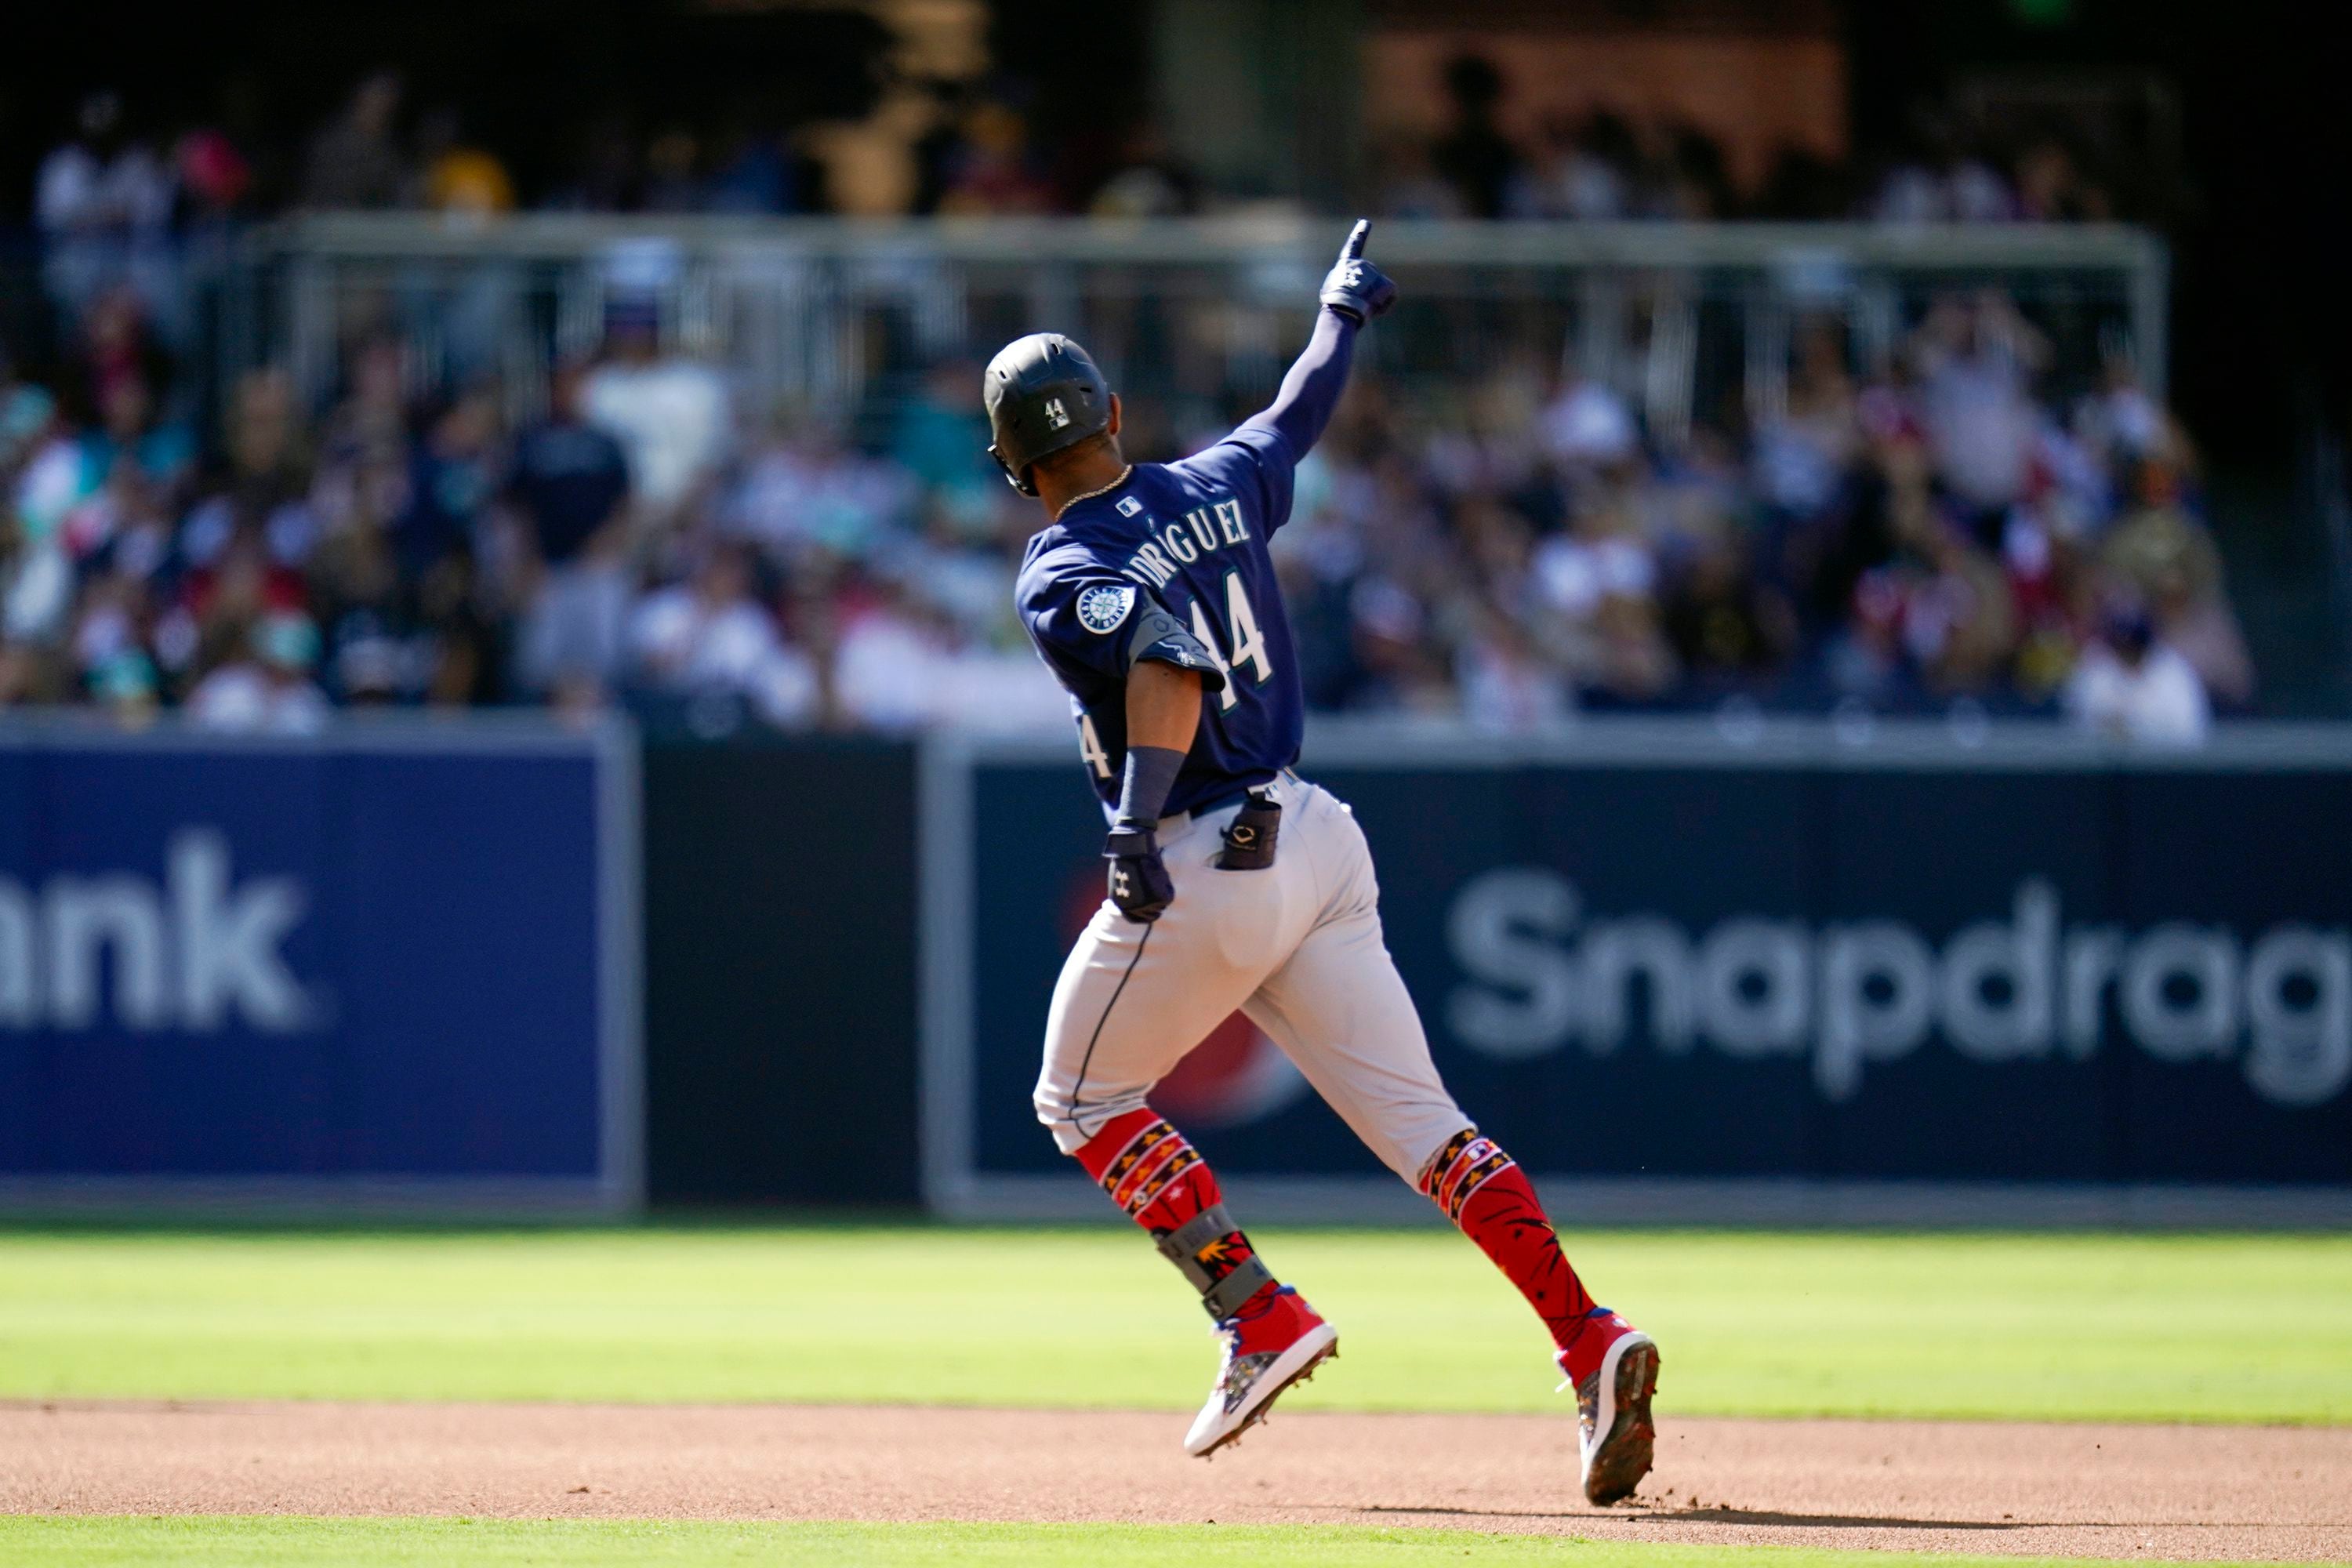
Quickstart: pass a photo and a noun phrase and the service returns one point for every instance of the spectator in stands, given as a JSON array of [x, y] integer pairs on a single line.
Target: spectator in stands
[[368, 428], [1939, 180], [134, 441], [1586, 428], [1684, 178], [1729, 632], [1959, 623], [265, 686], [673, 166], [1580, 171], [263, 477], [1507, 682], [461, 179], [2050, 187], [1805, 460], [356, 160], [1149, 181], [1472, 155], [887, 667], [875, 167], [1975, 358], [1401, 671], [571, 486], [752, 172], [102, 202], [2130, 686], [668, 412], [941, 436], [807, 493], [452, 476], [2121, 424], [995, 173], [711, 635], [215, 178], [2170, 565], [461, 637], [1594, 590]]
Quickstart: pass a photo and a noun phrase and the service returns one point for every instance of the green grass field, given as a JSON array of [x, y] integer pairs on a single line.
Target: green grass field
[[2040, 1326], [278, 1542]]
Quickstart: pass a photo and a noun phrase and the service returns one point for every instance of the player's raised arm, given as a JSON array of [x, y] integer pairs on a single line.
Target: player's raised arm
[[1354, 292]]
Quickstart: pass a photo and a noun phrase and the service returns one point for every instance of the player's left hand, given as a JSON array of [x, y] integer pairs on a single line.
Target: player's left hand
[[1139, 883], [1354, 287]]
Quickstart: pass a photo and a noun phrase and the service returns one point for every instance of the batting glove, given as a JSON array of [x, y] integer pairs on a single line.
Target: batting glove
[[1355, 288], [1139, 884]]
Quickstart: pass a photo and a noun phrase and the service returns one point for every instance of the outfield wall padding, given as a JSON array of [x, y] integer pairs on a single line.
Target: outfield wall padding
[[780, 989], [1658, 954]]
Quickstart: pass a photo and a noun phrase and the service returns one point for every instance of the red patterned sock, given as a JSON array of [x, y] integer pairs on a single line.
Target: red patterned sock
[[1153, 1173], [1484, 1190]]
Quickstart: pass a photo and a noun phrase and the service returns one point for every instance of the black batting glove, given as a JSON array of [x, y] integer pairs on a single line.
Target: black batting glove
[[1355, 288], [1139, 884]]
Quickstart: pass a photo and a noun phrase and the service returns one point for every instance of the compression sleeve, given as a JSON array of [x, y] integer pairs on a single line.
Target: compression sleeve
[[1312, 388], [1145, 779]]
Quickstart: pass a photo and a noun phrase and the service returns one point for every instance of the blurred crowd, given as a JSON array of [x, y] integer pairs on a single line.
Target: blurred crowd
[[1603, 164], [972, 149], [1940, 533], [936, 150], [1934, 536]]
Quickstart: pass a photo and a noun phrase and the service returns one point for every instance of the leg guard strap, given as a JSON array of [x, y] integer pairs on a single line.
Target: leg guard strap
[[1183, 1245], [1223, 1299], [1223, 1283]]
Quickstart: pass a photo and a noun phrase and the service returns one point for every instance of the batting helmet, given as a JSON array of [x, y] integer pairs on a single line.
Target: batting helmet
[[1042, 394]]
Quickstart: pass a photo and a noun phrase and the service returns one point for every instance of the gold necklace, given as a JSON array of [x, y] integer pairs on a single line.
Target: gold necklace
[[1091, 494]]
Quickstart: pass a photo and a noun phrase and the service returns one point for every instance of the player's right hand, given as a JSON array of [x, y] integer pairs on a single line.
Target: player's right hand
[[1139, 883], [1354, 287]]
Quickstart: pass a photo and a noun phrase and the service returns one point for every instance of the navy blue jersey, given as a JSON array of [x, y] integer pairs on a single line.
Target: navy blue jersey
[[1192, 535]]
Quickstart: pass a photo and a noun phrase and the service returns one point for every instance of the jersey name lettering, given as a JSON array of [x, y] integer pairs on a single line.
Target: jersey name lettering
[[1216, 526]]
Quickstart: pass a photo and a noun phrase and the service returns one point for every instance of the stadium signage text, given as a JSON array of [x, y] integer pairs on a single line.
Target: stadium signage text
[[187, 953], [1540, 973]]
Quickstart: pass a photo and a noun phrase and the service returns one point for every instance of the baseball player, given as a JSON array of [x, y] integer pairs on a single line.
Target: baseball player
[[1234, 882]]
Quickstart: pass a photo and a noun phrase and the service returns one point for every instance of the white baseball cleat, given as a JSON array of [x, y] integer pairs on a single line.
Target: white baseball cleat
[[1613, 1366], [1271, 1345]]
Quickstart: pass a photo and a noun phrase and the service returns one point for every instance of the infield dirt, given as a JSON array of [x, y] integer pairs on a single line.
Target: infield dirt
[[2186, 1492]]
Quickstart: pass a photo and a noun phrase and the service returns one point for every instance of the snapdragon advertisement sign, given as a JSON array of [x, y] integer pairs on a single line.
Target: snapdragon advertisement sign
[[2086, 971], [392, 964]]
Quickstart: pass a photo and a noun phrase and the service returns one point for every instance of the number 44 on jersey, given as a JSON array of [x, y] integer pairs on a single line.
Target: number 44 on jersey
[[1242, 636]]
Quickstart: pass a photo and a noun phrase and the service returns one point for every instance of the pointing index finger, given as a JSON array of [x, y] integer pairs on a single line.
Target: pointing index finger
[[1354, 249]]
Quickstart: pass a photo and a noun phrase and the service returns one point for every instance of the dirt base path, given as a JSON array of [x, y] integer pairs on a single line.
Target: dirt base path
[[2118, 1491]]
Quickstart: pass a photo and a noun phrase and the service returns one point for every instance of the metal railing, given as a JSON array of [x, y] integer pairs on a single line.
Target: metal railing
[[825, 313]]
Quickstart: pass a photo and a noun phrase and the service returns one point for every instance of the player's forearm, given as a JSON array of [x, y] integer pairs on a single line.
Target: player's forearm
[[1163, 711], [1310, 392], [1163, 706]]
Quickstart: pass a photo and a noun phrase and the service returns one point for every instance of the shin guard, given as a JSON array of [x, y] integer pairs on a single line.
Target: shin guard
[[1154, 1173]]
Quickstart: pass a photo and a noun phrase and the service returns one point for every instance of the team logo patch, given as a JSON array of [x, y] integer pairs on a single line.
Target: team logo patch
[[1102, 607]]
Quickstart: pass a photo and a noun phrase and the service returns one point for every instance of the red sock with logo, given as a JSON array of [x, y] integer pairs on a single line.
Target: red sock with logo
[[1153, 1173], [1483, 1189]]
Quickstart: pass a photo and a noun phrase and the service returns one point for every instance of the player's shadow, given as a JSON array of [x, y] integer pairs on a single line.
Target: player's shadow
[[1834, 1521], [1712, 1515]]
